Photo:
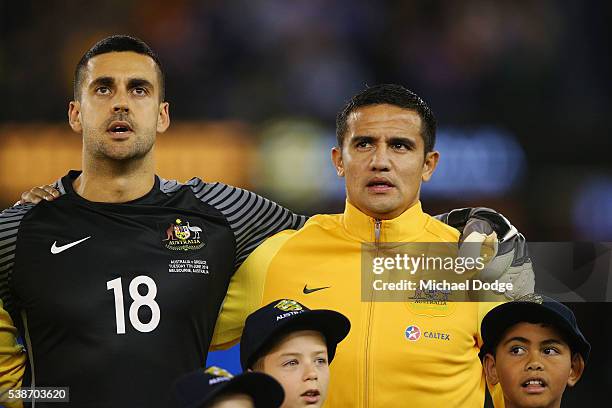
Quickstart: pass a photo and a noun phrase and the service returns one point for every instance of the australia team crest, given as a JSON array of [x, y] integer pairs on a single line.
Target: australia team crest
[[287, 305], [180, 235]]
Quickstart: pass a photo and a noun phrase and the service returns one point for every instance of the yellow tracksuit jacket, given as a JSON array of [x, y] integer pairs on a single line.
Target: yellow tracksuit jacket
[[376, 365]]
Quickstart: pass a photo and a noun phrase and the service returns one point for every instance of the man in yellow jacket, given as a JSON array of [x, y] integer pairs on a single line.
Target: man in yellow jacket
[[398, 353]]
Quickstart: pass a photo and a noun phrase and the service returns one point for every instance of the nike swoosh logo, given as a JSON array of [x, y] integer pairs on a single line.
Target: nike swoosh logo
[[57, 249], [307, 291]]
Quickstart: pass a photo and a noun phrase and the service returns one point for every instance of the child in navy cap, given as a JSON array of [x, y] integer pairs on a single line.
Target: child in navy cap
[[295, 345], [534, 349], [217, 388]]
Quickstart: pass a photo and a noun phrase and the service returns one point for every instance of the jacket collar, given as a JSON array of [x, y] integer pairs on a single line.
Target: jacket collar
[[406, 227]]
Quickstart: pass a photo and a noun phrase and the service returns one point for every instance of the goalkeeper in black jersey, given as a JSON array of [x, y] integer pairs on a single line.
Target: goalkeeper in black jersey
[[115, 287]]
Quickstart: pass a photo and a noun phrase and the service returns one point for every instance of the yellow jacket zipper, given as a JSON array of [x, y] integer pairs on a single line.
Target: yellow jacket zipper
[[377, 232]]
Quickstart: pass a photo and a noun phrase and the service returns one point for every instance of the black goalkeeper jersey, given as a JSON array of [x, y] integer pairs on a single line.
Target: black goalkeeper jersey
[[116, 301]]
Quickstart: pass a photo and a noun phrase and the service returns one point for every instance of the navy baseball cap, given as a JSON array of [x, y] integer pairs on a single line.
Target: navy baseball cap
[[199, 388], [532, 308], [264, 326]]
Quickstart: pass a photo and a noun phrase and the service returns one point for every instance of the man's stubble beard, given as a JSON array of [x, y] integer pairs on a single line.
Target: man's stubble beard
[[137, 147]]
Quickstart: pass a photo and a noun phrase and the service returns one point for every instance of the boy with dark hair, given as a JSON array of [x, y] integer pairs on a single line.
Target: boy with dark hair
[[217, 388], [533, 348], [295, 345]]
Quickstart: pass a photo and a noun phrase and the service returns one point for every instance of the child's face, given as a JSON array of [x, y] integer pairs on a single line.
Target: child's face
[[533, 365], [299, 363]]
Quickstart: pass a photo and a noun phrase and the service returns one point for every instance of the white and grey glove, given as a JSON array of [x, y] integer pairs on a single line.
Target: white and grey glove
[[510, 262]]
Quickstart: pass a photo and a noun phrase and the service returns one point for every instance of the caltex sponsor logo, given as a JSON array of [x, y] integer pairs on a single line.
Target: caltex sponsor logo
[[413, 333]]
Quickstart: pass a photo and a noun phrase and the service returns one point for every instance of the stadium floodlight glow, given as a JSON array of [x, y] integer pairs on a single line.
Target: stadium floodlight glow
[[592, 210], [482, 162]]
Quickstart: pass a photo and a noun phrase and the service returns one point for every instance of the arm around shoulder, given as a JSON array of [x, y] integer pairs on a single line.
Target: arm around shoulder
[[245, 292]]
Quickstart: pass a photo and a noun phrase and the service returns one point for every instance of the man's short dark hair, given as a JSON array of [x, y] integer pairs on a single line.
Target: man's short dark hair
[[390, 94], [116, 43]]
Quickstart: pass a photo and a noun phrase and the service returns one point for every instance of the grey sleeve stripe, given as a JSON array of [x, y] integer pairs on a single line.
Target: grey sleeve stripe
[[259, 206], [209, 192], [212, 191], [267, 220], [252, 218], [237, 201], [202, 188], [252, 202], [14, 215], [169, 186], [7, 258], [8, 241], [6, 267], [13, 211], [272, 219], [262, 207], [10, 220], [224, 194], [10, 224], [278, 225], [197, 185], [8, 233], [227, 197], [60, 186], [249, 203], [7, 249]]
